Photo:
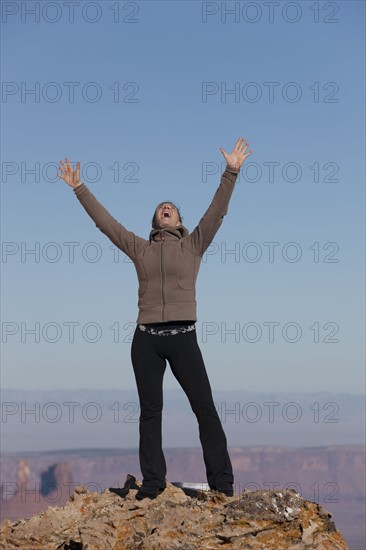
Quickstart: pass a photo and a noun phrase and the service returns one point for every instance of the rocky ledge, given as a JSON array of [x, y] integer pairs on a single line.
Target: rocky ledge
[[177, 519]]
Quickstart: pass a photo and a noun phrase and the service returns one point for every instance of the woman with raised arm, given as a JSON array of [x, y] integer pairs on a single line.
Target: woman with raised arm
[[167, 265]]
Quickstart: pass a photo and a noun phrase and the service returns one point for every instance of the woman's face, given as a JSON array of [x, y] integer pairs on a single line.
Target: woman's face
[[166, 215]]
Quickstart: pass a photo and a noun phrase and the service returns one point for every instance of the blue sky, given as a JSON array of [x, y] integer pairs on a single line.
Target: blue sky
[[174, 64]]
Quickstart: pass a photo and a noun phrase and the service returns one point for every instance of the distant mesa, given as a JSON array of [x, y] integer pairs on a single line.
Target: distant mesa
[[23, 472], [57, 475], [24, 497]]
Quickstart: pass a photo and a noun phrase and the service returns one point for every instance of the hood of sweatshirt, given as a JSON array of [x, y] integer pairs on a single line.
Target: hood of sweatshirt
[[169, 233]]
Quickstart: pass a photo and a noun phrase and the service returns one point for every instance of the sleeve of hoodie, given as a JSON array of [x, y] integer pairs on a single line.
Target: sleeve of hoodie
[[202, 235], [125, 240]]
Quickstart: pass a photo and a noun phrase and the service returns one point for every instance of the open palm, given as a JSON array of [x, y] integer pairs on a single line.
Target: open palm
[[70, 176], [238, 155]]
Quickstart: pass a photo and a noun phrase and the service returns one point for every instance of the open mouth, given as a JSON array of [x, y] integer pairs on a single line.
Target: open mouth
[[166, 215]]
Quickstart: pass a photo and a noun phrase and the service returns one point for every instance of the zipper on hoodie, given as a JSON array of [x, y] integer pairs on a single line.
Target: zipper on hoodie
[[162, 275]]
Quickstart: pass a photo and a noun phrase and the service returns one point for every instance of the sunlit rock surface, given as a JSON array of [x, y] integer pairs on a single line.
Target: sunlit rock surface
[[272, 520]]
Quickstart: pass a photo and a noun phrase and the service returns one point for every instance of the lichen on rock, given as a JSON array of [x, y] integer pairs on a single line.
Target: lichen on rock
[[177, 520]]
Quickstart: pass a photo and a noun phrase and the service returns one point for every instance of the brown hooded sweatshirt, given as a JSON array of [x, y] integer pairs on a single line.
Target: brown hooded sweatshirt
[[167, 264]]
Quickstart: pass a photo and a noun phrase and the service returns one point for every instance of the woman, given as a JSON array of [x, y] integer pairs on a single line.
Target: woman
[[167, 265]]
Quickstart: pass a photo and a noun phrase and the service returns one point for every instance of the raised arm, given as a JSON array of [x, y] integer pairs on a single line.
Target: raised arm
[[125, 240], [202, 235]]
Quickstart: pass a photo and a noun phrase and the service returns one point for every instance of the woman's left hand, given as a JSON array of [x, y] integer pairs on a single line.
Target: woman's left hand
[[238, 155]]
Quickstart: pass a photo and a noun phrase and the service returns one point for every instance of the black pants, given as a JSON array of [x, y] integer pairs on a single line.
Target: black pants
[[149, 354]]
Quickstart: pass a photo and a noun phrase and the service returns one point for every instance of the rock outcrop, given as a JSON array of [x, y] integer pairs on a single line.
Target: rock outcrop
[[177, 519], [23, 473]]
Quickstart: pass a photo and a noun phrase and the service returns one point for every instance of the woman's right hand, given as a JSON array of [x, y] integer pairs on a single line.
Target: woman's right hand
[[72, 177]]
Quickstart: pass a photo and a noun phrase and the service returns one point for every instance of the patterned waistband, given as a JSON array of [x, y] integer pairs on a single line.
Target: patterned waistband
[[167, 331]]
